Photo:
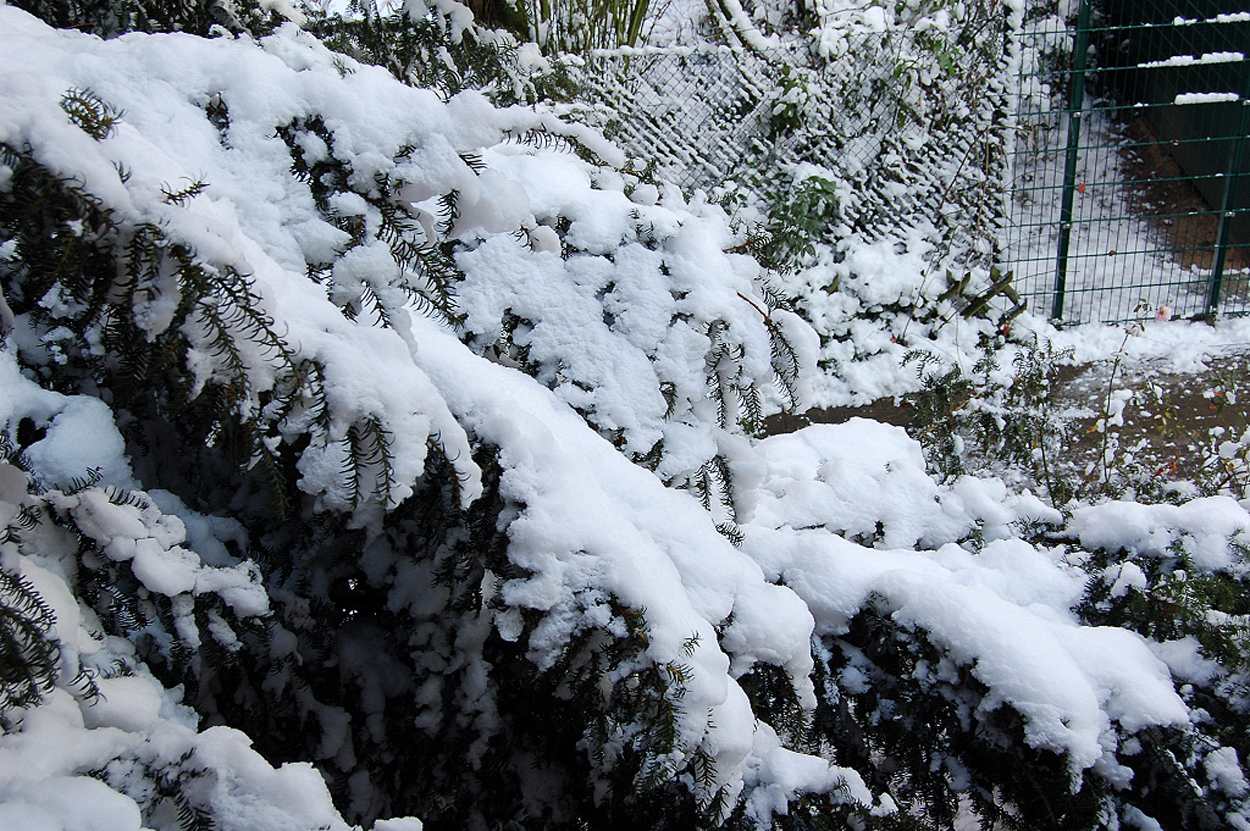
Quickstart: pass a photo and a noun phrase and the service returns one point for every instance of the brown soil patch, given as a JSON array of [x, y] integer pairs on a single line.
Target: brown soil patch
[[1179, 216], [1167, 429], [1170, 425]]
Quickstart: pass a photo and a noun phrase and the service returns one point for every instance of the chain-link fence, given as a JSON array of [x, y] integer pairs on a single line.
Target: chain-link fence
[[910, 139], [1129, 194], [695, 113], [1106, 178]]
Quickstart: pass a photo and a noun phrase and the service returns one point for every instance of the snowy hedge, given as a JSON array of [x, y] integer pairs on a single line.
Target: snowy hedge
[[861, 148], [370, 456]]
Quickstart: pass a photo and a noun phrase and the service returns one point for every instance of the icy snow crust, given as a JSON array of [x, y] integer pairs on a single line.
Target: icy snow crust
[[591, 518]]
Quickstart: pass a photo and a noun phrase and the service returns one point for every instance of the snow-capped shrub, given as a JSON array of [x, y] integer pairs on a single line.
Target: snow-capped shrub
[[262, 259], [109, 18], [1176, 574], [442, 47], [1036, 686], [111, 582]]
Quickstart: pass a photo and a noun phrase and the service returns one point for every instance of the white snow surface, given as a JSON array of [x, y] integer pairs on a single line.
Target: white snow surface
[[979, 605], [1206, 97], [831, 516], [1190, 60]]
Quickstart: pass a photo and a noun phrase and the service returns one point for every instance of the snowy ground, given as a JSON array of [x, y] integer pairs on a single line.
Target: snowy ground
[[1119, 265]]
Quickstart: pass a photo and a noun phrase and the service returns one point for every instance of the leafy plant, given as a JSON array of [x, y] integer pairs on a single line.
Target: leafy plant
[[370, 537], [800, 219], [790, 102], [971, 421]]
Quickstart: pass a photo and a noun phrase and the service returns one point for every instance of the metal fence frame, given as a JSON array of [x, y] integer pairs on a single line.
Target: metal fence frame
[[1100, 242]]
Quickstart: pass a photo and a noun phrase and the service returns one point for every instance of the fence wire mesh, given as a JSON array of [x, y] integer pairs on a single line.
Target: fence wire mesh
[[695, 113], [1107, 177], [911, 141], [1127, 194]]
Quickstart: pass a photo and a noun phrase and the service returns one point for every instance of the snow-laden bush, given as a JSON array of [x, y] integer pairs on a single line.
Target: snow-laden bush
[[264, 258], [385, 433], [110, 18], [862, 149]]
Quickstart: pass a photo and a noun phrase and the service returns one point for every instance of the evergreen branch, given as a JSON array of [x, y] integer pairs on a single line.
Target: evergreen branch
[[96, 118], [81, 483], [353, 464], [422, 258], [28, 653], [58, 227], [449, 210], [184, 195], [369, 449], [785, 363], [474, 162], [543, 139], [121, 496], [368, 296]]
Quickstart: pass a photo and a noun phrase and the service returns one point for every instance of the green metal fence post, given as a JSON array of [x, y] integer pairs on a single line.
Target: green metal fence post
[[1226, 204], [1076, 102]]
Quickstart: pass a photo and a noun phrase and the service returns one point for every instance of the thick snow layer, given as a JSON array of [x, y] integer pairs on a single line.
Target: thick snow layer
[[980, 606], [81, 440], [864, 479], [592, 519], [253, 216], [605, 355], [1171, 346], [1210, 531]]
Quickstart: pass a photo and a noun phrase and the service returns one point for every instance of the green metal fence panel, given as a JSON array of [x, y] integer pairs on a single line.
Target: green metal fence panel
[[1128, 194]]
